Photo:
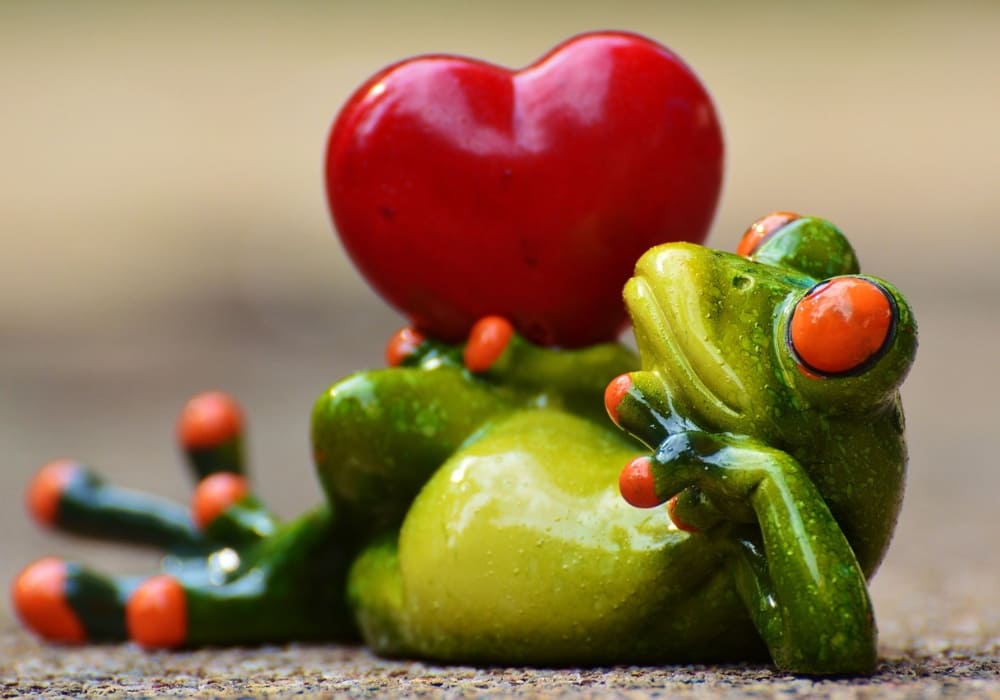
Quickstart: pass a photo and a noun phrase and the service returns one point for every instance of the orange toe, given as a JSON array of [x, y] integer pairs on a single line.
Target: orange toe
[[209, 420], [39, 598], [214, 494], [614, 393], [637, 484], [488, 339], [46, 489], [401, 345], [675, 519], [156, 613]]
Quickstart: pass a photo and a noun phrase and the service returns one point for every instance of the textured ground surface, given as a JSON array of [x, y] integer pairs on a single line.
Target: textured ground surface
[[29, 669], [163, 231]]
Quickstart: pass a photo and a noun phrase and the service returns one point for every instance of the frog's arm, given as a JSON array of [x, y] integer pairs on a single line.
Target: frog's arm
[[498, 356], [578, 375], [797, 575]]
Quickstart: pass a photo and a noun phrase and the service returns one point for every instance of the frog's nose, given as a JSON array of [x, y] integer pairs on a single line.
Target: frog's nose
[[672, 263], [666, 278]]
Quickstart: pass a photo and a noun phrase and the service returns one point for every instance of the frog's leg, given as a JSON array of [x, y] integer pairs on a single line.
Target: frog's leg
[[798, 576], [379, 435], [233, 574]]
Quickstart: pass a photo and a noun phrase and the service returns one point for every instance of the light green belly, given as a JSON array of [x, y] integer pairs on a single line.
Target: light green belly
[[520, 549]]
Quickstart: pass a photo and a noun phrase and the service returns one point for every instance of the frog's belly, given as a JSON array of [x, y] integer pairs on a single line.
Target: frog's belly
[[521, 549]]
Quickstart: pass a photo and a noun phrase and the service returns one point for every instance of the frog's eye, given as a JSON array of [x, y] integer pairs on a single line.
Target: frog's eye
[[841, 327], [762, 229]]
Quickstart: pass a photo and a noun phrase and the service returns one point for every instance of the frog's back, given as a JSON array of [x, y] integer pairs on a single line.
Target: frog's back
[[520, 548]]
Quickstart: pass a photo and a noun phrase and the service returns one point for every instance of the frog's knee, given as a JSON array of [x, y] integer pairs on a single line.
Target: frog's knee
[[346, 408]]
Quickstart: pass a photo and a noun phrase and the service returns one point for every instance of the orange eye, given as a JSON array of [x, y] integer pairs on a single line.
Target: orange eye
[[761, 229], [841, 326]]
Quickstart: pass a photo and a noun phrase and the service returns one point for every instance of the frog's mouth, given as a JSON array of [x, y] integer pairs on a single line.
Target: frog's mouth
[[675, 333]]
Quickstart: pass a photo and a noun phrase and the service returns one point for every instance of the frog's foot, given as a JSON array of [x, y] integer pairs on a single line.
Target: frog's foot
[[68, 496], [217, 600], [67, 602]]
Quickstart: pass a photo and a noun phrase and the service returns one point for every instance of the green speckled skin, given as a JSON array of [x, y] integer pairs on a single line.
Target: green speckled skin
[[476, 517], [513, 544]]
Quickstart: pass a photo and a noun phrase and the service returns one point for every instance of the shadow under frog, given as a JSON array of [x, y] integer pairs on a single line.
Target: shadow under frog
[[474, 493]]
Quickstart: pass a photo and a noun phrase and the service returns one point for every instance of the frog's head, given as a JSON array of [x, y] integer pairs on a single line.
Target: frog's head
[[751, 343], [785, 343], [772, 341]]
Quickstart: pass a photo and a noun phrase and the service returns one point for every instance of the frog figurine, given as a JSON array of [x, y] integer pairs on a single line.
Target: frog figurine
[[474, 493]]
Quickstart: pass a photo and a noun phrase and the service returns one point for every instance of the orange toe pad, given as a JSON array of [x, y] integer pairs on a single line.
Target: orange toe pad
[[156, 614], [47, 488], [39, 598], [214, 494]]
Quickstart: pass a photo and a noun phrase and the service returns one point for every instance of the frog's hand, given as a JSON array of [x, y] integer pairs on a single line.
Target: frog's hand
[[70, 497], [798, 576], [577, 378]]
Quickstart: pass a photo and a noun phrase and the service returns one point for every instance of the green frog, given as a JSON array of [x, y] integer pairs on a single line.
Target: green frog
[[723, 495]]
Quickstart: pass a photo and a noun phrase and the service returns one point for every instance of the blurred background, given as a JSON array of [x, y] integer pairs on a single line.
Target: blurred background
[[164, 229]]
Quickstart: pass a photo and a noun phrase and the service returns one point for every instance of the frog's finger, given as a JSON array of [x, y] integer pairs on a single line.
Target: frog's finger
[[67, 603], [210, 432], [488, 340], [70, 497], [646, 482], [166, 613], [224, 509], [156, 614], [691, 511], [692, 459], [403, 345], [637, 484], [626, 402]]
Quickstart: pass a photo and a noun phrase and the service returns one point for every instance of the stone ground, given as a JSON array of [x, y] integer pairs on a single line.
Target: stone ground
[[163, 231], [318, 671]]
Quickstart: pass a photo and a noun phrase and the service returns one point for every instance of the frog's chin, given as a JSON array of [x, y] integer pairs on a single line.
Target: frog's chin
[[673, 332]]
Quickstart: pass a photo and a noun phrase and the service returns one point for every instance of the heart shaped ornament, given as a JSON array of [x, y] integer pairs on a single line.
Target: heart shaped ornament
[[462, 189]]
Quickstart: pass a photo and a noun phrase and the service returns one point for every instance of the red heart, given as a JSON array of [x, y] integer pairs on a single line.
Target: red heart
[[462, 189]]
